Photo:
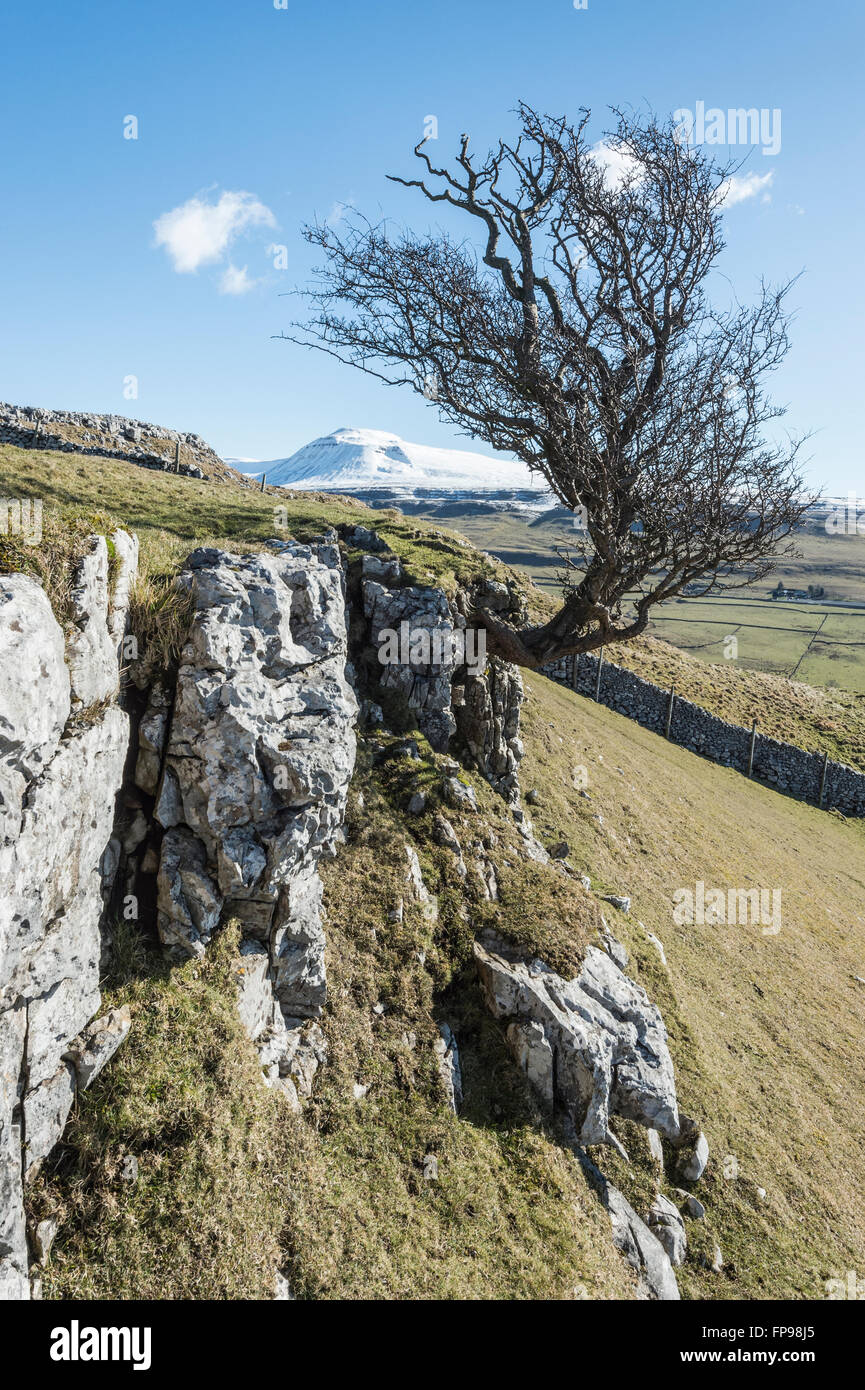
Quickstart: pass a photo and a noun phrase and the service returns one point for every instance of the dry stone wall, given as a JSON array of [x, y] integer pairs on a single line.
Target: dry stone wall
[[110, 436], [782, 765]]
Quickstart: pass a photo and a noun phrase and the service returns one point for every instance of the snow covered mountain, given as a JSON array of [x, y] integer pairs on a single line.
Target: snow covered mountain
[[377, 466]]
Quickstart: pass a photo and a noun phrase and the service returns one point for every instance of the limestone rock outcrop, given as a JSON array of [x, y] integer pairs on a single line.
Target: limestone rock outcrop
[[59, 777], [255, 774], [640, 1247], [441, 672], [488, 721], [593, 1046], [423, 681]]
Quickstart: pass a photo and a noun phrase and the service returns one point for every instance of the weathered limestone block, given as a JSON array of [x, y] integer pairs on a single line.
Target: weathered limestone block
[[35, 694], [448, 1062], [594, 1046], [641, 1247], [666, 1222], [126, 568], [422, 620], [488, 722], [55, 862], [290, 1049], [255, 776], [97, 1044], [91, 650]]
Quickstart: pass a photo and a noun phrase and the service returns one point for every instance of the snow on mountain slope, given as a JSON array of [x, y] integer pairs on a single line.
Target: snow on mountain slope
[[355, 460]]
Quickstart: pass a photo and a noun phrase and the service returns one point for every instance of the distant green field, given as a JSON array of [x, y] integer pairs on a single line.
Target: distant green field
[[819, 643], [812, 642]]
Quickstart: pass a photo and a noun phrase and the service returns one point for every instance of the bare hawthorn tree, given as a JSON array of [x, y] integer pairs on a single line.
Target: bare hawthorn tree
[[580, 336]]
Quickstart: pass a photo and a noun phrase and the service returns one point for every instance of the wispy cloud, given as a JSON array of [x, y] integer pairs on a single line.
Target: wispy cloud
[[235, 281], [616, 162], [739, 187], [338, 212], [199, 233]]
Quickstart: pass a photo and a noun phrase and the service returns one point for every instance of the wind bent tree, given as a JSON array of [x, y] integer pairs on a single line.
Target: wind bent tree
[[579, 335]]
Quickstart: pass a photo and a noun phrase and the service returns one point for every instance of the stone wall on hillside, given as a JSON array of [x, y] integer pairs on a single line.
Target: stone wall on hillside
[[110, 436], [63, 746], [782, 765]]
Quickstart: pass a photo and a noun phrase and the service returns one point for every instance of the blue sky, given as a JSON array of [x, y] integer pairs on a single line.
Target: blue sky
[[307, 108]]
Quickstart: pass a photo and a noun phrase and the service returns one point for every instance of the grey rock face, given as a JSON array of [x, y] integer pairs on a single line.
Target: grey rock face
[[58, 799], [428, 903], [152, 733], [97, 1044], [92, 649], [622, 903], [425, 684], [593, 1046], [126, 568], [614, 948], [460, 795], [34, 691], [256, 771], [641, 1247], [43, 1239], [448, 1059], [656, 1148], [488, 722], [693, 1207], [666, 1222], [693, 1160]]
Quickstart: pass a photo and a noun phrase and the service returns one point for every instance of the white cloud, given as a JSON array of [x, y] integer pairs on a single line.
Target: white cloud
[[616, 162], [198, 233], [235, 281], [737, 188]]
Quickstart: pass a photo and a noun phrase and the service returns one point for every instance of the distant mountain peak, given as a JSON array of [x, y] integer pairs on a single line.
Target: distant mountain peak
[[352, 460]]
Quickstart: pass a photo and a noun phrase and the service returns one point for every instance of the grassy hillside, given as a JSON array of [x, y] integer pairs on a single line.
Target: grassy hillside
[[233, 1187], [765, 1030], [172, 515], [765, 1034]]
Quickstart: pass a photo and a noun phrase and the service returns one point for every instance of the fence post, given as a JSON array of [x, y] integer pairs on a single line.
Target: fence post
[[823, 779], [177, 457], [263, 481], [670, 704], [751, 749], [600, 668]]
